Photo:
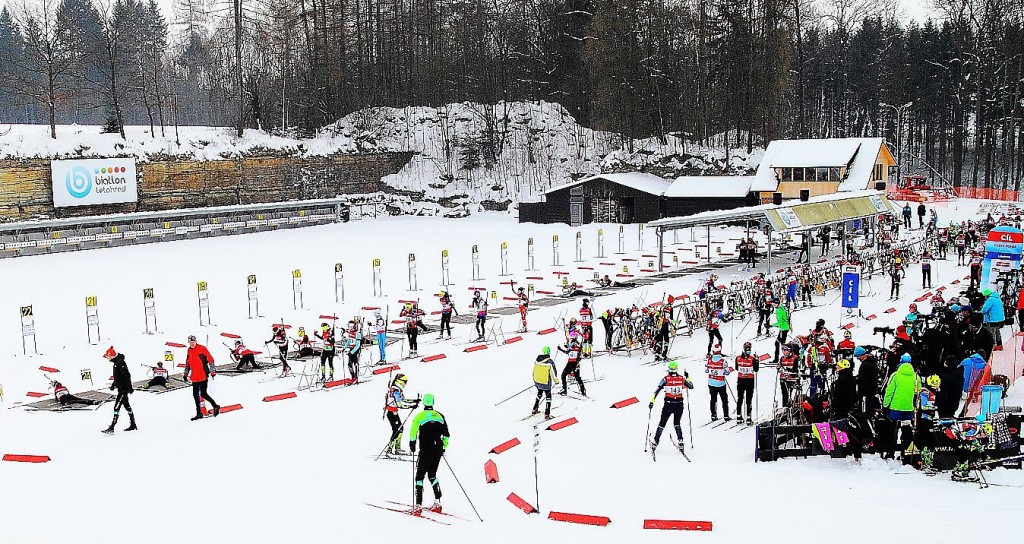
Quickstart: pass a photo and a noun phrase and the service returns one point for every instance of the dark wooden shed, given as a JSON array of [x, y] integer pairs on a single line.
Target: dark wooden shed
[[633, 197]]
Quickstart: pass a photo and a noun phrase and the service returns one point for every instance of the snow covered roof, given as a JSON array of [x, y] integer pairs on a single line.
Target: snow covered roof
[[709, 186], [648, 183], [856, 154]]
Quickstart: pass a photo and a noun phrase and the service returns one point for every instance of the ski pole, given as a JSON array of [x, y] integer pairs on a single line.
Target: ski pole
[[689, 417], [399, 435], [462, 488], [514, 396], [647, 435]]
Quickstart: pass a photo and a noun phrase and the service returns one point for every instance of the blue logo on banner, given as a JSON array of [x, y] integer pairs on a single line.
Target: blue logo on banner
[[78, 182], [851, 290]]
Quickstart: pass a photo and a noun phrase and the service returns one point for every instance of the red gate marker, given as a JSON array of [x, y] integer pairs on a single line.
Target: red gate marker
[[475, 348], [505, 446], [583, 519], [608, 264], [433, 358], [282, 396], [764, 357], [35, 394], [584, 268], [562, 424], [521, 504], [847, 326], [870, 317], [331, 317], [282, 325], [49, 369], [546, 331], [624, 403], [174, 345], [647, 270], [545, 292], [490, 472], [335, 383], [537, 278], [649, 256], [17, 458], [560, 273], [230, 408], [230, 335], [677, 525], [510, 298], [513, 340], [628, 260], [890, 310], [385, 370], [371, 308]]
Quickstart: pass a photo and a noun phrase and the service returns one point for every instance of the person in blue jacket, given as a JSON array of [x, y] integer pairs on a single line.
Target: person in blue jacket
[[974, 368], [992, 311]]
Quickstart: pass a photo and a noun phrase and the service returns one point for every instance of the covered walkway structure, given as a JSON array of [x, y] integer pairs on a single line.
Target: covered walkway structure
[[788, 217]]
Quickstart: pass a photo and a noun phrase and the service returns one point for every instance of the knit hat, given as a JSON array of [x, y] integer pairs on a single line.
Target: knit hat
[[110, 353], [858, 351]]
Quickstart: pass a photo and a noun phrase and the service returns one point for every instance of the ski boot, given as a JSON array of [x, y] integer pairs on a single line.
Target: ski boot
[[108, 430], [750, 421], [132, 426], [436, 507]]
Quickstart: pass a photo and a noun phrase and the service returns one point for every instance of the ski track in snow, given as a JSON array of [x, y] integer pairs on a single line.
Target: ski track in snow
[[299, 470]]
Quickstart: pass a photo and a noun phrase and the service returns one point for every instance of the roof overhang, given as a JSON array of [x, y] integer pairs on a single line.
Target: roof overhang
[[792, 216]]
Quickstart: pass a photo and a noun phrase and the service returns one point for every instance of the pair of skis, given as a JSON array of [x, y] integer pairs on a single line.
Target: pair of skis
[[428, 514]]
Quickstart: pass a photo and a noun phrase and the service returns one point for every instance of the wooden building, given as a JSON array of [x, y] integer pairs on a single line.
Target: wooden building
[[821, 166], [633, 197]]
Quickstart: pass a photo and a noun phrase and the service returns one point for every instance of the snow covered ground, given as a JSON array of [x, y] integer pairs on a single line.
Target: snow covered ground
[[302, 470]]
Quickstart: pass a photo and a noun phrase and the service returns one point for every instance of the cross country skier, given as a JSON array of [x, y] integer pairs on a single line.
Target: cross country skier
[[380, 328], [447, 308], [65, 398], [789, 373], [353, 343], [673, 385], [961, 248], [896, 274], [431, 429], [326, 337], [975, 268], [411, 331], [606, 320], [199, 365], [717, 370], [280, 339], [792, 283], [394, 402], [747, 364], [545, 377], [304, 345], [244, 356], [587, 327], [714, 322], [661, 338], [764, 309], [524, 304], [782, 322], [926, 270], [480, 305], [123, 383], [572, 366], [159, 376]]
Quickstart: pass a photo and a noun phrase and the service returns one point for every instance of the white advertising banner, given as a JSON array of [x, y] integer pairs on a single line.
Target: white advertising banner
[[94, 181]]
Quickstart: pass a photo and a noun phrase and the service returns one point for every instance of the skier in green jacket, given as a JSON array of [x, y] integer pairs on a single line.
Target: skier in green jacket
[[431, 430], [782, 322]]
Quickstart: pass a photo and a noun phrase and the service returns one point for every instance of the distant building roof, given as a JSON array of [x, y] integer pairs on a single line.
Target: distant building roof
[[648, 183], [709, 186], [856, 154]]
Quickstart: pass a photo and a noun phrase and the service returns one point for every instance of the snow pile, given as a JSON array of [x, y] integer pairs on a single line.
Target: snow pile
[[197, 142], [514, 151]]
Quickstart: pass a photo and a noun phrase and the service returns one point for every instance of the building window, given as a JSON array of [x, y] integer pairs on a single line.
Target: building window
[[876, 175], [798, 174], [823, 174], [786, 174], [834, 174]]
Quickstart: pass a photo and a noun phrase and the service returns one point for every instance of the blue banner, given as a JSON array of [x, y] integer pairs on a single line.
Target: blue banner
[[851, 286]]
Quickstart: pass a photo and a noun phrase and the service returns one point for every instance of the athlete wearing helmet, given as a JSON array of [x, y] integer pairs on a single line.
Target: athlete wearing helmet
[[244, 356], [545, 377], [479, 305], [673, 385], [393, 402]]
